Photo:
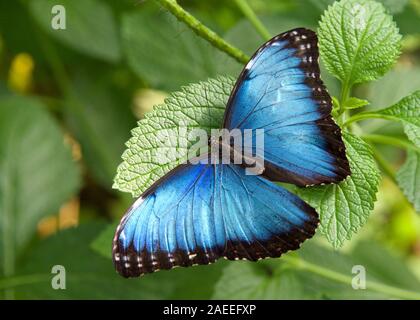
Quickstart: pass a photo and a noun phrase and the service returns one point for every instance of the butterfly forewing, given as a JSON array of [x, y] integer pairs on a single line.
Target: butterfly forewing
[[280, 91]]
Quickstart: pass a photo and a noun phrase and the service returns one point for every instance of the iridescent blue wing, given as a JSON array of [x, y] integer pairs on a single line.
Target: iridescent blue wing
[[198, 213], [280, 91]]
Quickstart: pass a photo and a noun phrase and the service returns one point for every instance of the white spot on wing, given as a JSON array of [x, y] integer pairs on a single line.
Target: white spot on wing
[[250, 64], [192, 256]]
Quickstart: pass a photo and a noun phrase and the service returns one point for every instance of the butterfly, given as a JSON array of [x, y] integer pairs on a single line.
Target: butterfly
[[198, 213]]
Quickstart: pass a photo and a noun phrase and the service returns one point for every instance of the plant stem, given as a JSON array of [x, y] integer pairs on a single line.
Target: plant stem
[[345, 93], [252, 17], [384, 165], [202, 31], [339, 277], [390, 141], [367, 115]]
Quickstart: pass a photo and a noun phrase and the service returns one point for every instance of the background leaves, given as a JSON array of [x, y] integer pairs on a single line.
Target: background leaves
[[101, 107], [90, 26], [164, 51], [36, 169]]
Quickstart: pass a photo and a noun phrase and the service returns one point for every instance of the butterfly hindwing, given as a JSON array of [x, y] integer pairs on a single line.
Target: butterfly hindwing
[[280, 91], [199, 213]]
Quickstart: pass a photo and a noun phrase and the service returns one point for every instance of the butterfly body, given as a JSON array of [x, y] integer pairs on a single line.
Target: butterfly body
[[200, 212]]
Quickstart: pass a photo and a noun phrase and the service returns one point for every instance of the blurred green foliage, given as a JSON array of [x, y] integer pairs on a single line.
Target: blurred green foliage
[[68, 101]]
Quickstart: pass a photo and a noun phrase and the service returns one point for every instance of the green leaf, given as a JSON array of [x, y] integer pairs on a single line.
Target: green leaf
[[407, 110], [358, 41], [345, 207], [37, 173], [88, 275], [408, 177], [199, 105], [397, 83], [355, 103], [99, 108], [316, 272], [164, 51], [413, 133], [90, 26]]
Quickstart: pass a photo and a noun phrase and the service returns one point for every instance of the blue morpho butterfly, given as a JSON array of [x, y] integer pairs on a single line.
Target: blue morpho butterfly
[[198, 213]]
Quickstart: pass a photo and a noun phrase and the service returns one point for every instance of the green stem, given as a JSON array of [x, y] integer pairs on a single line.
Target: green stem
[[377, 138], [367, 115], [345, 93], [202, 31], [252, 17], [339, 277], [384, 165]]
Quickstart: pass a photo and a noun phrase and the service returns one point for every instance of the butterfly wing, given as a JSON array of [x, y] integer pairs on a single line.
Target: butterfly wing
[[280, 91], [198, 213]]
